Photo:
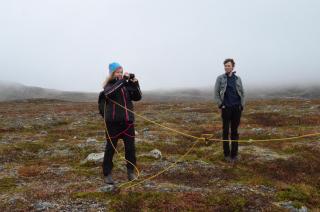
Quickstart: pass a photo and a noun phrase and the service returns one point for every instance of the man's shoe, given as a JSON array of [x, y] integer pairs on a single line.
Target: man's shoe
[[131, 175], [108, 180]]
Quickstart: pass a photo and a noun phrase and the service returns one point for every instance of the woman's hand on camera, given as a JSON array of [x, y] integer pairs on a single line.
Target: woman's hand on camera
[[126, 76]]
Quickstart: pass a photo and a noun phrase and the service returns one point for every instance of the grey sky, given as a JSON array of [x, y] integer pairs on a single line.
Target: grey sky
[[67, 44]]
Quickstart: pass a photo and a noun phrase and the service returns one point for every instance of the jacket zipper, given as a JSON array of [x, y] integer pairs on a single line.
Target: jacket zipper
[[125, 104]]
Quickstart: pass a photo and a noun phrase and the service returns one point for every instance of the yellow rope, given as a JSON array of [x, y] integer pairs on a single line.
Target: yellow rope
[[115, 149], [212, 139], [272, 139], [166, 169], [197, 140]]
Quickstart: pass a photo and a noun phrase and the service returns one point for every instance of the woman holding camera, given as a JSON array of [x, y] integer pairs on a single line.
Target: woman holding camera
[[119, 90]]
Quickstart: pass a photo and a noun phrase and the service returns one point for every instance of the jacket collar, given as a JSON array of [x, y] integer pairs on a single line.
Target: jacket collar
[[233, 74]]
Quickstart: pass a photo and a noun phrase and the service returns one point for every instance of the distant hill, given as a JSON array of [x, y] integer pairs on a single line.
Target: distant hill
[[312, 92], [14, 91], [300, 92]]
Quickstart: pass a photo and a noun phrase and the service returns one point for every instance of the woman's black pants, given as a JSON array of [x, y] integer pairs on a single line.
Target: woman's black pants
[[124, 131]]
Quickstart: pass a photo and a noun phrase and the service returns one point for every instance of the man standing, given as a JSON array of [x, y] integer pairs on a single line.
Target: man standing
[[229, 95]]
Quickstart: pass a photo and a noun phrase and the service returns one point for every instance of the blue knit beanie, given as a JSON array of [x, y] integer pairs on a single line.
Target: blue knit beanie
[[113, 67]]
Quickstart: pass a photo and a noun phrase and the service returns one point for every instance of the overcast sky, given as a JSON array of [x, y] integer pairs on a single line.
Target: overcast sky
[[68, 44]]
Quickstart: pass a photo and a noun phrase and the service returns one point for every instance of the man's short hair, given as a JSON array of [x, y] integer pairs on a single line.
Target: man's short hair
[[229, 60]]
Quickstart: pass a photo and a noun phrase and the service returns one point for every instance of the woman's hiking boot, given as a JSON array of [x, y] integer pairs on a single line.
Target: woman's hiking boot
[[131, 175], [108, 180]]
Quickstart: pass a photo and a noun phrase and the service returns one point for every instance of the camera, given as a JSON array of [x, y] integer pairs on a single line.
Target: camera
[[130, 77]]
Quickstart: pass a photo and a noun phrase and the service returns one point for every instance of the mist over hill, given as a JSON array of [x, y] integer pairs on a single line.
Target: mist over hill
[[288, 92], [13, 91]]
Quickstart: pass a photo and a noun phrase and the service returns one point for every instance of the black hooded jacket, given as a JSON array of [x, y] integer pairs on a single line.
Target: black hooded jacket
[[123, 93]]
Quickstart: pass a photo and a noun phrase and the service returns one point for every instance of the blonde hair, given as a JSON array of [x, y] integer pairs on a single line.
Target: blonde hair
[[108, 79]]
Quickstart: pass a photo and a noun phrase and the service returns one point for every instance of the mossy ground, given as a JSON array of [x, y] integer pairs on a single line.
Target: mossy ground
[[42, 144]]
